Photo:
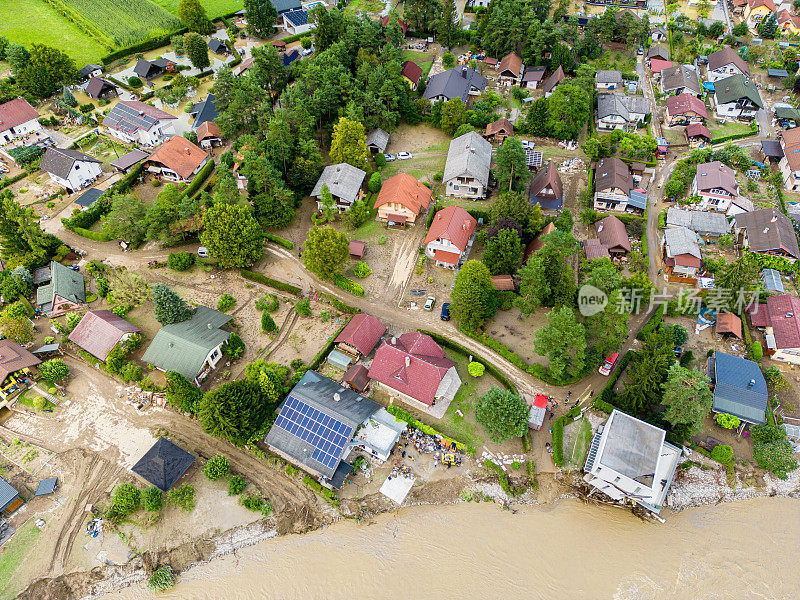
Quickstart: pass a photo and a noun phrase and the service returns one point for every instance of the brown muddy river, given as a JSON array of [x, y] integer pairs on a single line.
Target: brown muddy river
[[569, 551]]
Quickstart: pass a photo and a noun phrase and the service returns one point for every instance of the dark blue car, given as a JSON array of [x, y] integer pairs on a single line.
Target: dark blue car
[[446, 311]]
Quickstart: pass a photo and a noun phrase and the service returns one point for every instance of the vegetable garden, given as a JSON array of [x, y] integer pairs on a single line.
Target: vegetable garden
[[125, 22]]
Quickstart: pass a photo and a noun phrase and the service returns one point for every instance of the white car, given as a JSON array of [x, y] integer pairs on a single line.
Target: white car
[[430, 302], [404, 155], [202, 252]]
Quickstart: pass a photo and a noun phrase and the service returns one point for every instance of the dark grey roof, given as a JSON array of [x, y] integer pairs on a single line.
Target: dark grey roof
[[605, 76], [658, 51], [46, 486], [534, 74], [632, 447], [768, 230], [777, 73], [97, 87], [163, 464], [126, 161], [454, 83], [321, 393], [88, 70], [145, 68], [772, 148], [59, 161], [471, 155], [217, 46], [681, 240], [289, 57], [740, 388], [7, 494], [613, 173], [704, 223], [204, 111], [378, 138], [282, 6], [89, 197], [297, 17], [680, 76], [618, 104], [343, 180]]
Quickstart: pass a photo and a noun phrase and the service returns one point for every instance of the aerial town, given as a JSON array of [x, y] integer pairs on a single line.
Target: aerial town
[[268, 265]]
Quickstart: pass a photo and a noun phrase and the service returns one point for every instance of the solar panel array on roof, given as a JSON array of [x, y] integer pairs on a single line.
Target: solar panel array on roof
[[533, 158], [126, 118], [328, 435], [772, 280]]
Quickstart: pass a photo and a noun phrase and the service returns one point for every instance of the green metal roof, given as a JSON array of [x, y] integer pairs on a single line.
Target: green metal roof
[[64, 282], [733, 88], [183, 347], [786, 112]]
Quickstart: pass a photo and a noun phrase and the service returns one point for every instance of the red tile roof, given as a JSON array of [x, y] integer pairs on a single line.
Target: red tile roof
[[363, 332], [452, 223], [537, 243], [687, 260], [208, 129], [510, 62], [357, 248], [404, 189], [411, 71], [697, 130], [180, 155], [502, 124], [503, 282], [99, 331], [756, 3], [729, 323], [357, 377], [686, 103], [16, 112], [446, 257], [593, 249], [657, 65], [414, 365], [784, 316]]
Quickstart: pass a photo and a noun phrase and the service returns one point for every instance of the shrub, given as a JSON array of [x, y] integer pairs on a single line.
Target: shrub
[[348, 285], [183, 497], [234, 348], [374, 185], [303, 308], [217, 467], [476, 369], [73, 319], [756, 352], [268, 303], [161, 579], [362, 270], [297, 363], [279, 240], [125, 500], [382, 240], [152, 499], [236, 485], [54, 370], [268, 323], [263, 279], [380, 160], [131, 372], [39, 403], [226, 302], [103, 287], [255, 503], [722, 453], [134, 82], [180, 261], [728, 421]]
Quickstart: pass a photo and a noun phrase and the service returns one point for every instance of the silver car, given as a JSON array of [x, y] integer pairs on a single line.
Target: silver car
[[430, 302]]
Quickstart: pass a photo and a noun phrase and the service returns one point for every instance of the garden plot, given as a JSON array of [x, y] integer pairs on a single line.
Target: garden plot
[[133, 21], [577, 438], [24, 455]]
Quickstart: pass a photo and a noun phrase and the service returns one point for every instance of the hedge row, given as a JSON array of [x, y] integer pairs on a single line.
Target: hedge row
[[11, 180], [279, 240], [348, 285], [338, 304], [151, 44], [407, 417], [323, 353], [504, 482], [558, 435], [200, 178], [653, 324], [456, 347], [274, 283], [736, 136], [604, 400], [97, 236]]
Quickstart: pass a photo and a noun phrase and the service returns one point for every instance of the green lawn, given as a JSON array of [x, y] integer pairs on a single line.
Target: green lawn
[[29, 395], [575, 455], [14, 552], [28, 21], [358, 6], [729, 128], [214, 8], [369, 231]]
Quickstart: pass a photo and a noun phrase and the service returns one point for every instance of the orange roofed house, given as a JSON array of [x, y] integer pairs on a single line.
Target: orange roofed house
[[401, 199], [177, 159], [450, 237]]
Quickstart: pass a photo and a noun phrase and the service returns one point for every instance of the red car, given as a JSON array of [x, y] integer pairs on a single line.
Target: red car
[[608, 365]]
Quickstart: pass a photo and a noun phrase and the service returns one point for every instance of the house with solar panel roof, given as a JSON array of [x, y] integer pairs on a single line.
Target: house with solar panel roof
[[136, 122], [322, 427]]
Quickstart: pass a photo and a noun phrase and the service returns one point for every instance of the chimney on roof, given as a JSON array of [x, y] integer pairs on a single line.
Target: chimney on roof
[[408, 361], [464, 72], [394, 341], [209, 325], [337, 397], [751, 383], [789, 315], [188, 152]]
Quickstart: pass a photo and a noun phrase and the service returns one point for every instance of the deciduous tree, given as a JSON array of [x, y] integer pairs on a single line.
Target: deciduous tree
[[687, 398], [567, 111], [232, 235], [181, 392], [261, 16], [511, 167], [45, 71], [127, 218], [348, 143], [193, 15], [548, 278], [563, 341], [503, 413], [196, 50], [503, 253]]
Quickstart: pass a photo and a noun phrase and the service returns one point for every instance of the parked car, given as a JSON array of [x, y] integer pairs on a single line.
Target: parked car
[[404, 155], [430, 302], [75, 267], [446, 311], [202, 252], [307, 51], [389, 157], [640, 51], [608, 365]]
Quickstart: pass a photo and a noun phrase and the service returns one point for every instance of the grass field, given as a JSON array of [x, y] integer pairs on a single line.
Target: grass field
[[358, 6], [28, 21], [134, 20], [14, 552], [576, 449], [214, 8]]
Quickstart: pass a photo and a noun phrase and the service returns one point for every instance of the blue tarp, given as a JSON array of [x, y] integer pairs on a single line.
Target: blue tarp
[[708, 85]]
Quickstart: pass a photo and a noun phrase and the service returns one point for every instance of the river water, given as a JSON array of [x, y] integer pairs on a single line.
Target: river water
[[569, 551]]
